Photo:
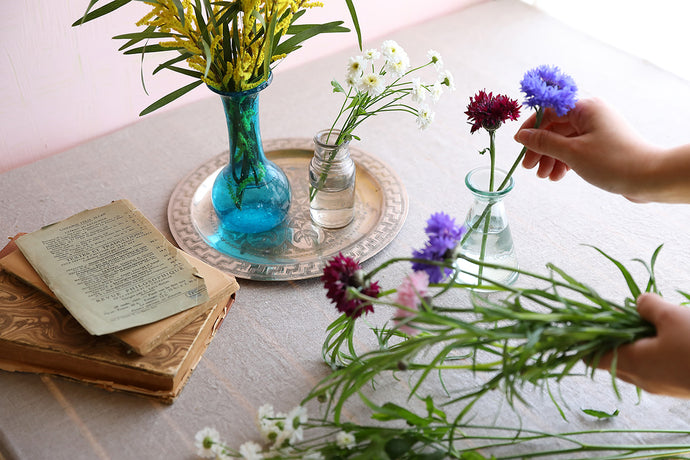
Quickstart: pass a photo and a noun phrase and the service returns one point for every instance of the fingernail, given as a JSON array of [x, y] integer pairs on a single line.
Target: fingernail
[[523, 135]]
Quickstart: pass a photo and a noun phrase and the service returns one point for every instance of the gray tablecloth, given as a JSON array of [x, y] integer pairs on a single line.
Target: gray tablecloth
[[268, 350]]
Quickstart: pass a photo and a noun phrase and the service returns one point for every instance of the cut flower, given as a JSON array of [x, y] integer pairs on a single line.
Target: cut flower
[[443, 236], [489, 112], [341, 274], [546, 86]]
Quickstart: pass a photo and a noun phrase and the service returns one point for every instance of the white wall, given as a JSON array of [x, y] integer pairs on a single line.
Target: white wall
[[656, 31], [62, 85]]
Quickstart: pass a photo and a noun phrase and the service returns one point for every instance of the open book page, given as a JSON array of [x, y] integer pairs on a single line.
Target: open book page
[[112, 269]]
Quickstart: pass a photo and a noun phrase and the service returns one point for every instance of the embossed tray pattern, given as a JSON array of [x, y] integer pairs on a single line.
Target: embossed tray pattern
[[298, 248]]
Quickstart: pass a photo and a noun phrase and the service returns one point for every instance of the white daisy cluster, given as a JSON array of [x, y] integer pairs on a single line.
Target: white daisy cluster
[[384, 88], [279, 431]]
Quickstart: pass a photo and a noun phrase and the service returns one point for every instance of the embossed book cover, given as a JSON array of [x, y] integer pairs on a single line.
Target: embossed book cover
[[141, 339], [38, 335]]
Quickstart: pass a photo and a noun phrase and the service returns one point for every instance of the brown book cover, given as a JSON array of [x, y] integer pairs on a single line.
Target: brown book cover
[[141, 339], [37, 335]]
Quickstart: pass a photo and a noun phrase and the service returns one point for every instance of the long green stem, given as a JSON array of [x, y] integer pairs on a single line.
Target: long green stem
[[537, 123], [487, 222]]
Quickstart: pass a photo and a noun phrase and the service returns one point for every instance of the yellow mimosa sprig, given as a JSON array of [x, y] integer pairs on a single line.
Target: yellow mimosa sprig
[[229, 45]]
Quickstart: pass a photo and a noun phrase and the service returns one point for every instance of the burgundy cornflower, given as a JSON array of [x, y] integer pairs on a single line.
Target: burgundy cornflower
[[489, 112], [340, 274]]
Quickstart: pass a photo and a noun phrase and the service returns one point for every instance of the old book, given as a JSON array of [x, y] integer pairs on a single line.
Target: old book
[[112, 269], [141, 339], [38, 335]]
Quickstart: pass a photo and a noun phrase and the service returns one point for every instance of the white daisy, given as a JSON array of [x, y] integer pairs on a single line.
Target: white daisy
[[446, 78], [436, 60], [221, 453], [418, 91], [436, 91], [424, 117], [352, 81], [251, 451], [372, 54], [345, 440], [295, 419], [391, 50], [204, 441], [267, 423], [399, 66], [356, 66], [373, 84]]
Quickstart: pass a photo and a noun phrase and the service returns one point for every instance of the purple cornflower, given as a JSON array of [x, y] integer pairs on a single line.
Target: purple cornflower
[[546, 86], [444, 235], [340, 274]]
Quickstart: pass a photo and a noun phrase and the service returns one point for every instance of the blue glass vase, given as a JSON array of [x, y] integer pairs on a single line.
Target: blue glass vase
[[250, 194]]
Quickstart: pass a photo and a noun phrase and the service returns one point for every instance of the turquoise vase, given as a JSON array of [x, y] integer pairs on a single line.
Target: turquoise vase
[[251, 194]]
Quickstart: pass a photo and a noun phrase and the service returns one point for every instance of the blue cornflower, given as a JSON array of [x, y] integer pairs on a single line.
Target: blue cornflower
[[444, 235], [546, 86]]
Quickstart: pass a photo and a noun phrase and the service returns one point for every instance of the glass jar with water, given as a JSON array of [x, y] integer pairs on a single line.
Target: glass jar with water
[[488, 237], [331, 181]]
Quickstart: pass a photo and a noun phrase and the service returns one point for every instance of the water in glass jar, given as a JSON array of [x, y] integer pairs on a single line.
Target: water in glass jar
[[499, 250], [333, 209]]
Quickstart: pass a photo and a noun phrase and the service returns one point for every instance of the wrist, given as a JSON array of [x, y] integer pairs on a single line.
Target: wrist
[[666, 177]]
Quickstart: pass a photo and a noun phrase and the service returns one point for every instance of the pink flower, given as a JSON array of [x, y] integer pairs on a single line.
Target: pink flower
[[410, 293]]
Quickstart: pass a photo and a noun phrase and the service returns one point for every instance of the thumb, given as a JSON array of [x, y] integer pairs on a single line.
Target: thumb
[[545, 142], [653, 307]]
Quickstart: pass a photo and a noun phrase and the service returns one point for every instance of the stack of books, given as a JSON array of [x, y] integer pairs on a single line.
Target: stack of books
[[121, 309]]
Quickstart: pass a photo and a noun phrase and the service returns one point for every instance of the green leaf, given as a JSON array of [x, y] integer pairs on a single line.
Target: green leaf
[[186, 71], [155, 48], [172, 61], [270, 45], [201, 22], [136, 37], [170, 97], [337, 87], [472, 456], [180, 11], [97, 13], [208, 55], [686, 295], [355, 21], [634, 288], [397, 447], [291, 44], [600, 414]]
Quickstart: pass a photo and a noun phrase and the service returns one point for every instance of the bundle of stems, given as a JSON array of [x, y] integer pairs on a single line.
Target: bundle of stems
[[432, 434], [433, 437], [529, 335]]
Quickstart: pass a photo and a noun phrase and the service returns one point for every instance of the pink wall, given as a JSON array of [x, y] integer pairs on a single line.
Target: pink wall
[[60, 86]]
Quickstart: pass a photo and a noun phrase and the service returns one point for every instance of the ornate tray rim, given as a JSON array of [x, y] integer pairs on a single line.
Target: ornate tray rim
[[394, 210]]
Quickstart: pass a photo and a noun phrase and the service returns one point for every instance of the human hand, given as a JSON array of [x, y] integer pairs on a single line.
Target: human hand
[[593, 140], [659, 364]]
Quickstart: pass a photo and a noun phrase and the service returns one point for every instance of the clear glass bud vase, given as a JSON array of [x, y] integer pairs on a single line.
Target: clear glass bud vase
[[251, 194], [331, 181], [488, 238]]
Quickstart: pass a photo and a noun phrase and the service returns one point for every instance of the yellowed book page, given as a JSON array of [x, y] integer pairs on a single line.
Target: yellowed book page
[[112, 269]]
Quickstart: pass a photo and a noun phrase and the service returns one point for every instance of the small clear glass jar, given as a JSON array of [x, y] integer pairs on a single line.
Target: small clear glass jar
[[331, 181], [489, 239]]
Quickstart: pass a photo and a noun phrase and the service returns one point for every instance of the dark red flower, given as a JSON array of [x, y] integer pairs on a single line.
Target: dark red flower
[[340, 274], [489, 112]]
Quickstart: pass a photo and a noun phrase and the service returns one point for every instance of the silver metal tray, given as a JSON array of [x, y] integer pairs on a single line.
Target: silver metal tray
[[298, 248]]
